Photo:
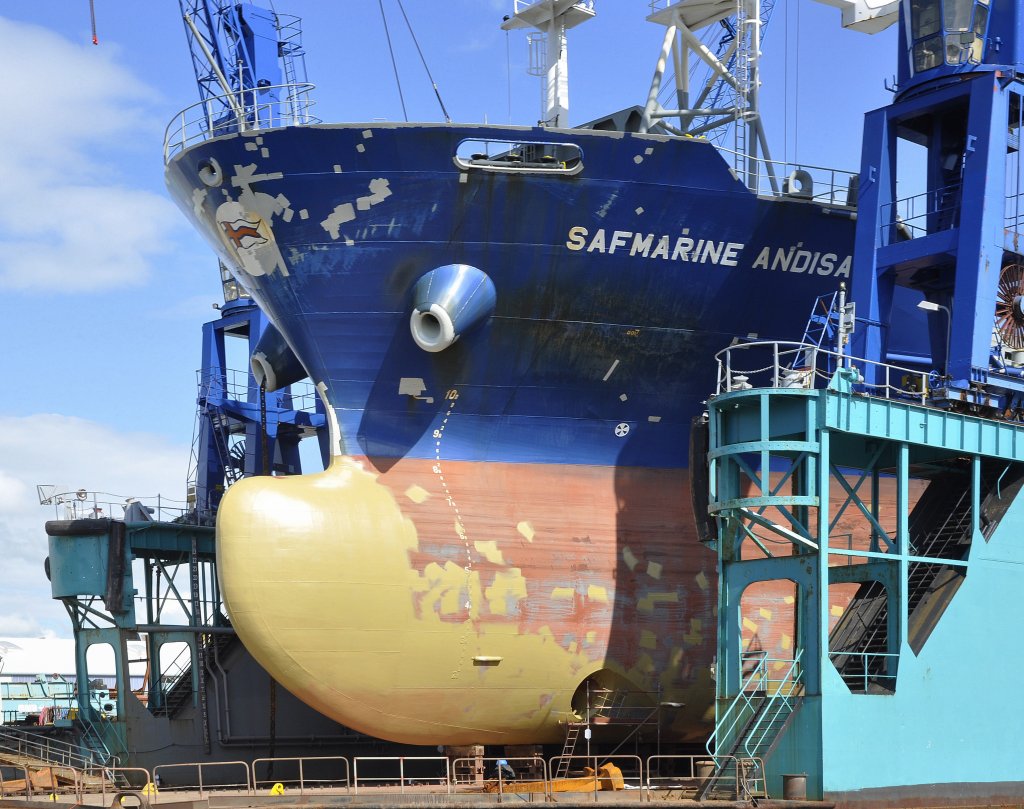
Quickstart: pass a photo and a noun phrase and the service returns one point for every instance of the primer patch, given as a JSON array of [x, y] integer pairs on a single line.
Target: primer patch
[[526, 530], [417, 494], [490, 552], [596, 592], [654, 569], [629, 558], [563, 594]]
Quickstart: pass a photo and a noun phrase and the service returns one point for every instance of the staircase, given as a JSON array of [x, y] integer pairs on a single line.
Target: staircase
[[33, 752], [179, 694], [821, 331], [747, 730], [940, 528]]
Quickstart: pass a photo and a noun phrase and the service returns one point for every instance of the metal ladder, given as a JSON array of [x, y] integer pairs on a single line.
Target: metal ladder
[[603, 699]]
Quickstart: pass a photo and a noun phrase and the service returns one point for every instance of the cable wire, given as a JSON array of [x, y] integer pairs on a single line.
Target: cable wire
[[437, 92], [394, 64]]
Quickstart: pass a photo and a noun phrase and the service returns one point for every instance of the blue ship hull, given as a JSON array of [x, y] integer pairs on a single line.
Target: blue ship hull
[[523, 492], [572, 301]]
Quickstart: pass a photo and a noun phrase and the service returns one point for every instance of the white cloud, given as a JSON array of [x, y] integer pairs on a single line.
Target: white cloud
[[74, 453], [69, 218]]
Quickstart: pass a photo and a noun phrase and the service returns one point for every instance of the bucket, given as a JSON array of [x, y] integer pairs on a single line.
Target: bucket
[[794, 787], [703, 768]]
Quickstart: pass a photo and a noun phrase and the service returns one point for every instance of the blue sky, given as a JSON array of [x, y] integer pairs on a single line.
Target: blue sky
[[103, 287]]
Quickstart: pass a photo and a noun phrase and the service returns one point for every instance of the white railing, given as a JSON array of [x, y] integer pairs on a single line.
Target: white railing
[[776, 178], [82, 504], [251, 109], [779, 364]]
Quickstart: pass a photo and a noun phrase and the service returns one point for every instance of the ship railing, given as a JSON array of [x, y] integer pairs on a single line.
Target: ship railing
[[401, 774], [252, 109], [239, 385], [776, 178], [782, 364], [83, 504], [920, 215], [683, 776], [304, 773], [520, 5], [208, 775]]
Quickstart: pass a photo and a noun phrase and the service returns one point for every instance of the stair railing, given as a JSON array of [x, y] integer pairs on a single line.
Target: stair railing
[[781, 694]]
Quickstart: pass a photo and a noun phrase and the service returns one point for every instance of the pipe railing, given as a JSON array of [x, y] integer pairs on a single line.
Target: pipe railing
[[257, 109], [785, 364]]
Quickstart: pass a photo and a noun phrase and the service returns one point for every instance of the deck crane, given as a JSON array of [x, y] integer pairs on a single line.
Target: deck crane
[[248, 61], [250, 69]]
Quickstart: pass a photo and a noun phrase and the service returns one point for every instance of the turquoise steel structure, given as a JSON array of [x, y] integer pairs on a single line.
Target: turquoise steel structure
[[887, 495], [921, 709]]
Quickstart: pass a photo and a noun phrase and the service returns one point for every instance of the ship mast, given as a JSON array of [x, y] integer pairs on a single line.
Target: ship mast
[[682, 19], [551, 18]]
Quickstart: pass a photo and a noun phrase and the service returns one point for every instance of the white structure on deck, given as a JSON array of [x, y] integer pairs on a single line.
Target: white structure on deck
[[549, 55]]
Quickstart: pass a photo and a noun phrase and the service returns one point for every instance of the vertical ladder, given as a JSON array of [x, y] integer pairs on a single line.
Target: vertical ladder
[[197, 621], [572, 733]]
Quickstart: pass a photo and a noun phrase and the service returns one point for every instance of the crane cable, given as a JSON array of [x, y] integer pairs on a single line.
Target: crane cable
[[394, 64], [92, 20], [447, 118]]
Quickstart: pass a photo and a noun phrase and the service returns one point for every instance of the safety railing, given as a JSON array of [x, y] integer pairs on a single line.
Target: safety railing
[[252, 109], [596, 774], [779, 364], [302, 772], [744, 715], [208, 775], [44, 749], [525, 777], [780, 693], [401, 773], [83, 504], [920, 214], [235, 384], [776, 178], [874, 669]]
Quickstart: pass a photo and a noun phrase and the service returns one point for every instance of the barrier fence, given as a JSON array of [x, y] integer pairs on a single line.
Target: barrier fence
[[304, 773], [525, 778]]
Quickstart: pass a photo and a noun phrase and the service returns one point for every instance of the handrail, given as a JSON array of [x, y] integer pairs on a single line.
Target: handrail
[[837, 183], [302, 780], [758, 682], [796, 365], [42, 748], [787, 686], [212, 117], [851, 679]]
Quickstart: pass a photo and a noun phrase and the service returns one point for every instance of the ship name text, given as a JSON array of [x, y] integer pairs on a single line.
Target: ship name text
[[792, 259]]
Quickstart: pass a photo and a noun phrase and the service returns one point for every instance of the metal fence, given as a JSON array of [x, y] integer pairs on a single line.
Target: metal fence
[[521, 779]]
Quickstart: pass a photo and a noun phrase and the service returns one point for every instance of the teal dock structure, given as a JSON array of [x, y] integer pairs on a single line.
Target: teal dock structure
[[911, 694], [130, 570]]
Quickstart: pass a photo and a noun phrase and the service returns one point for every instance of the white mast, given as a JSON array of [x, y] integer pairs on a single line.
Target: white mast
[[552, 18]]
